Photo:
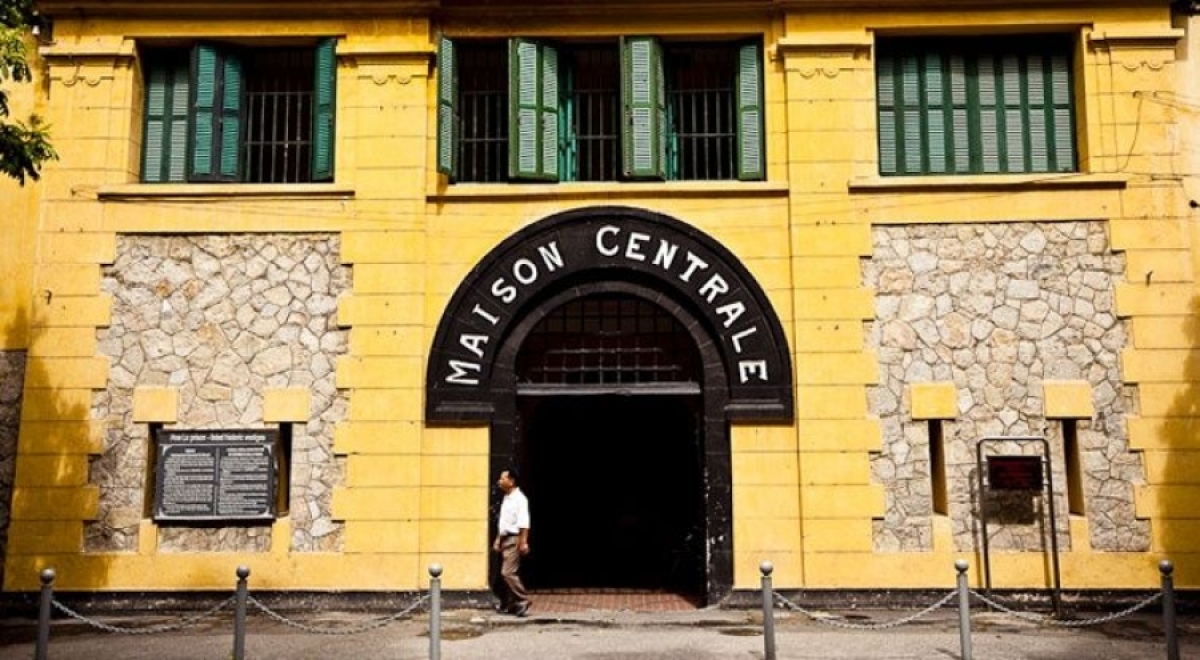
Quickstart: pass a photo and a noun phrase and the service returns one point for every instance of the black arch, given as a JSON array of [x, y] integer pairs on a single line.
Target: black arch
[[465, 379]]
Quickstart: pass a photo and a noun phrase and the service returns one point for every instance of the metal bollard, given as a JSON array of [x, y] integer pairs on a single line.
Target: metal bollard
[[964, 610], [768, 599], [1168, 605], [435, 612], [43, 634], [239, 614]]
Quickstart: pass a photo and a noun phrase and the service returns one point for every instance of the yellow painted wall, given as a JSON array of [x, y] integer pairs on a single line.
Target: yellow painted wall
[[803, 494], [19, 221]]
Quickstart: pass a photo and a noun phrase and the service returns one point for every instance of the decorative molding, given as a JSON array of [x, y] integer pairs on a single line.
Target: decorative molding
[[847, 44], [1121, 39]]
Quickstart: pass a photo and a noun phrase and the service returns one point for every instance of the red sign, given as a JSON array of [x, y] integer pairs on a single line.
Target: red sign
[[1014, 472]]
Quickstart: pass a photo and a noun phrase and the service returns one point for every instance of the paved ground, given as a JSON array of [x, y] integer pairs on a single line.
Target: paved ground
[[703, 634]]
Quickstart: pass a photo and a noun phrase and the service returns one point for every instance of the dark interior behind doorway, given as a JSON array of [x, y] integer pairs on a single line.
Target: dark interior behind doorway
[[615, 484]]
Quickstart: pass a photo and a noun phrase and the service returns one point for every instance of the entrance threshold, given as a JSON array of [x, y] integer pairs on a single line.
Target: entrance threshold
[[613, 600]]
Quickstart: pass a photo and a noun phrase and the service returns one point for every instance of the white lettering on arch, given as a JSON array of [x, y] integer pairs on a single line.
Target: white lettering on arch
[[474, 343], [460, 369], [606, 250], [525, 271]]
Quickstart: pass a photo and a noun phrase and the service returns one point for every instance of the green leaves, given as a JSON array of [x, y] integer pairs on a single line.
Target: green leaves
[[24, 146]]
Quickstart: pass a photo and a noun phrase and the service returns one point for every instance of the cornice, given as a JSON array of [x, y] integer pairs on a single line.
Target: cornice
[[233, 8], [1114, 39]]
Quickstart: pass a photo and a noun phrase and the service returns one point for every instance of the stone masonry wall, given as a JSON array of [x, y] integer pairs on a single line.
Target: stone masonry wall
[[220, 318], [12, 380], [997, 309]]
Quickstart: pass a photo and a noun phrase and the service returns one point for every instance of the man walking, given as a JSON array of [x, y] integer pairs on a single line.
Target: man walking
[[512, 542]]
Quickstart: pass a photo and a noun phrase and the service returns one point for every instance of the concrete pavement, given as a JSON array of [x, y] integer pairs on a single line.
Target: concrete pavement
[[705, 634]]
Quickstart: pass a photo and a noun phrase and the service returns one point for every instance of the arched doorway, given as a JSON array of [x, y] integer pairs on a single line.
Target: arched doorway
[[732, 364], [609, 413]]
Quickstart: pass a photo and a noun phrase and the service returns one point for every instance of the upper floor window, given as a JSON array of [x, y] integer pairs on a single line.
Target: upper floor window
[[975, 106], [226, 113], [636, 109]]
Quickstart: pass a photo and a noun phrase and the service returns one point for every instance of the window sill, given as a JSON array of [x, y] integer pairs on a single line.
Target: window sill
[[467, 192], [157, 191], [1010, 182]]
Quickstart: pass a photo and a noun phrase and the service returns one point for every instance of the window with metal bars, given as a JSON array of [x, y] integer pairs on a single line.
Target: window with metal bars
[[225, 113], [975, 105], [637, 109], [608, 340]]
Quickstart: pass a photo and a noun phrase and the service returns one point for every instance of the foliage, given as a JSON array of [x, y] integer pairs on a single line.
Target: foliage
[[24, 145]]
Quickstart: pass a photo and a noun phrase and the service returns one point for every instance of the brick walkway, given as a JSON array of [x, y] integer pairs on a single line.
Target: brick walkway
[[632, 600]]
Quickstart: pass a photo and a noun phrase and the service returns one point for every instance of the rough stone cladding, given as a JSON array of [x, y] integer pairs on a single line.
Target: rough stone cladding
[[220, 318], [12, 379], [997, 310]]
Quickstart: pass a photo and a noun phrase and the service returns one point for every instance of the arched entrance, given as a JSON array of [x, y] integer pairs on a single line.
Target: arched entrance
[[549, 341], [609, 413]]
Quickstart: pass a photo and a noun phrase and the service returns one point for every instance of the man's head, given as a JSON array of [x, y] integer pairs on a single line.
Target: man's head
[[508, 480]]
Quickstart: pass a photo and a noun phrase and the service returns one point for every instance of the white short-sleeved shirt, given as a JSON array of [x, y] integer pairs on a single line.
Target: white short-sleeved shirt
[[514, 513]]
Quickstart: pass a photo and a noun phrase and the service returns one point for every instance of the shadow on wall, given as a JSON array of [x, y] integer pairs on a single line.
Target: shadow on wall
[[12, 382], [1176, 470], [48, 457]]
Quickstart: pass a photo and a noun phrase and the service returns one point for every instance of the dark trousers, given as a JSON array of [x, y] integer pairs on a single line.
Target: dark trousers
[[509, 588]]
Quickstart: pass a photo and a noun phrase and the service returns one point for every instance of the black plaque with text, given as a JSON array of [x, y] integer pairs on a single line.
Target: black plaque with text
[[1015, 472], [215, 475]]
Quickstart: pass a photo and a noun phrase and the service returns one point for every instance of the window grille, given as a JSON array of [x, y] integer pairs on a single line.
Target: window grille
[[483, 112], [594, 108], [701, 106], [608, 340], [278, 144]]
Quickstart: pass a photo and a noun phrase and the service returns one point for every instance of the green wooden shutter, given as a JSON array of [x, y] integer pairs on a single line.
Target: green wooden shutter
[[164, 153], [216, 107], [232, 91], [958, 107], [886, 86], [643, 135], [324, 101], [204, 138], [1061, 115], [533, 110], [751, 165], [447, 117]]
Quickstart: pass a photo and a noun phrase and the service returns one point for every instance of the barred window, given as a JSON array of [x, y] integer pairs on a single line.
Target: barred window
[[635, 108], [225, 113]]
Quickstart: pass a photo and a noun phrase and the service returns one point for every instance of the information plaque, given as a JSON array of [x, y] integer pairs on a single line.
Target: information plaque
[[215, 475], [1015, 472]]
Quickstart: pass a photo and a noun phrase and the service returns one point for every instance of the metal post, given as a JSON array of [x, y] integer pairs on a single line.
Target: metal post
[[239, 615], [435, 612], [43, 634], [1168, 605], [964, 610], [768, 601], [1056, 592]]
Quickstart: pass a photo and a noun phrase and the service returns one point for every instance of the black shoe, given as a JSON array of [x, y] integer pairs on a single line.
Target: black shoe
[[500, 607], [522, 610]]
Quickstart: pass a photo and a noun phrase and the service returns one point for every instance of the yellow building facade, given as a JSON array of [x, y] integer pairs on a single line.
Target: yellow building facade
[[727, 281]]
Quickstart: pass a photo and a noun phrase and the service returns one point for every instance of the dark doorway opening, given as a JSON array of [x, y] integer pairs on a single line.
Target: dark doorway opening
[[616, 489]]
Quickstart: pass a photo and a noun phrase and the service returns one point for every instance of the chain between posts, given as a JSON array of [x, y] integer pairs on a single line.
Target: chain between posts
[[147, 630], [340, 630], [827, 620], [1050, 621]]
